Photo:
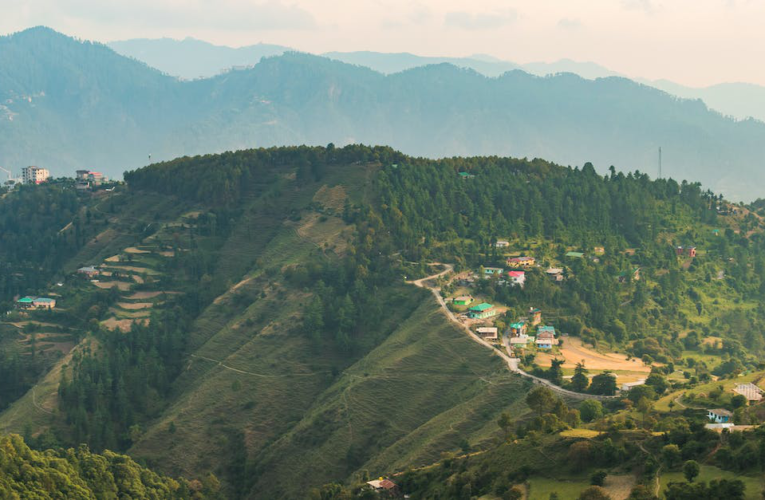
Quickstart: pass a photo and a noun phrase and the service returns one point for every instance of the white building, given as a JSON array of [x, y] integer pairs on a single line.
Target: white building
[[629, 385], [750, 391], [517, 278], [34, 175], [488, 332], [720, 416]]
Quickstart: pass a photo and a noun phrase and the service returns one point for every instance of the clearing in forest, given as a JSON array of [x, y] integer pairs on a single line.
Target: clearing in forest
[[324, 231], [573, 351], [331, 197], [124, 325]]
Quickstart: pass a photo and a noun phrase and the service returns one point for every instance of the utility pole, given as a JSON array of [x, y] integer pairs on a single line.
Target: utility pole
[[659, 162]]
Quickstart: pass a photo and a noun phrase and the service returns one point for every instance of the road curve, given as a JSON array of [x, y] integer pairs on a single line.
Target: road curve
[[513, 364]]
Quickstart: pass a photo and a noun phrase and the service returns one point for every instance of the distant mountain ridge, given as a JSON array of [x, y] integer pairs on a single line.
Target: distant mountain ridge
[[190, 59], [68, 104]]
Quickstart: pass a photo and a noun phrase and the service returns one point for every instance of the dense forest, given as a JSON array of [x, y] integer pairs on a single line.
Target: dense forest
[[78, 473]]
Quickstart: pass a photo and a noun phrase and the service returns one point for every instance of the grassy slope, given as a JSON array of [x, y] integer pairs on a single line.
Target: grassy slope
[[419, 393], [421, 389]]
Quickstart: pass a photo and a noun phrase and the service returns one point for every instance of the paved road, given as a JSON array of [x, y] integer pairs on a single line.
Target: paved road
[[513, 364]]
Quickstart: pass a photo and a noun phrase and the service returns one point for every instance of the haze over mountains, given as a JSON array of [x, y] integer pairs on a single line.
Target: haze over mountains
[[192, 58], [68, 104]]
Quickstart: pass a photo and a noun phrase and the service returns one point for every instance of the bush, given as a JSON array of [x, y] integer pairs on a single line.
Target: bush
[[598, 478], [590, 410]]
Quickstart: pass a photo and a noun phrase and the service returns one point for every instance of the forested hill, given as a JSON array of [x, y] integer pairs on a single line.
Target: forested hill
[[68, 104], [78, 473], [251, 316]]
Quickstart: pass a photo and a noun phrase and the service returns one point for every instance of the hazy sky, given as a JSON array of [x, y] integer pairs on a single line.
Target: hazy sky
[[694, 42]]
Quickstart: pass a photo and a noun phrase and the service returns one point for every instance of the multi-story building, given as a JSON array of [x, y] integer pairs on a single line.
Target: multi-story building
[[34, 175], [86, 178]]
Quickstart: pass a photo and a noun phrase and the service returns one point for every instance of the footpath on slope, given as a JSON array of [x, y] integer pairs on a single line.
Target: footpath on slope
[[513, 364]]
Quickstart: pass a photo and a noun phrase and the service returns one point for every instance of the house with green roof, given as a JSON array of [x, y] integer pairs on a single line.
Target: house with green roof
[[36, 303], [482, 311], [25, 303], [518, 328], [492, 271], [574, 255]]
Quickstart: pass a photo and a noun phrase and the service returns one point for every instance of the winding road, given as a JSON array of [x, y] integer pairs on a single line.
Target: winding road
[[513, 364]]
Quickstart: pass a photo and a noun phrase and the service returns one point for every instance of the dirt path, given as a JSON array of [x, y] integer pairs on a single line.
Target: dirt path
[[237, 370], [34, 403], [657, 480], [513, 364]]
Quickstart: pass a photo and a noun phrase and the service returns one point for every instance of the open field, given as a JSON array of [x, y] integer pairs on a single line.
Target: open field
[[147, 295], [754, 485], [574, 351], [539, 488], [580, 433], [134, 305], [105, 285], [135, 250]]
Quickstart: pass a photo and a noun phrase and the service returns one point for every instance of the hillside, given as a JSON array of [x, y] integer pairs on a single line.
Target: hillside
[[251, 316], [79, 96]]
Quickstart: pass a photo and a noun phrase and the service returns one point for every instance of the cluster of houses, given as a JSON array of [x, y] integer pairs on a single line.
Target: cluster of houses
[[515, 276], [546, 337], [34, 303]]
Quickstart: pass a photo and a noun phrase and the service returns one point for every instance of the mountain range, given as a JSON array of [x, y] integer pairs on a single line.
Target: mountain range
[[192, 58], [69, 104]]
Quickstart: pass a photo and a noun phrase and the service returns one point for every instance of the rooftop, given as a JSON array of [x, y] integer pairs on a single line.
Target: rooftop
[[483, 306], [722, 412], [575, 254]]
